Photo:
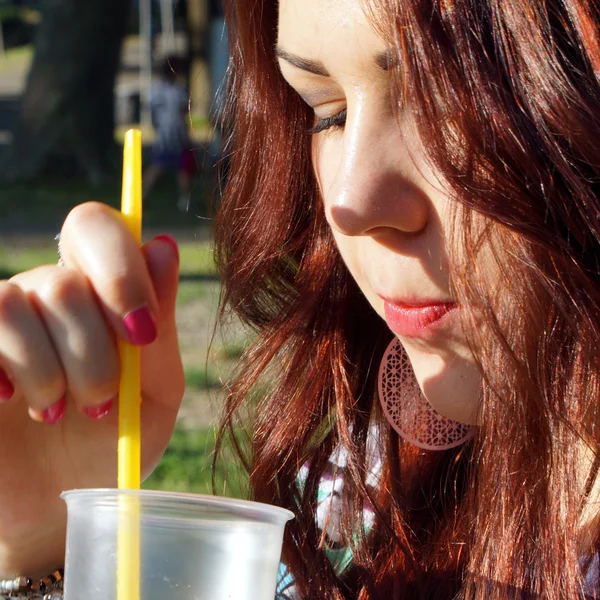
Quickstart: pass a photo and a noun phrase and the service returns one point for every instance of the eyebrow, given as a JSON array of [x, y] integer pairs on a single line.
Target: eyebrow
[[384, 60], [312, 66]]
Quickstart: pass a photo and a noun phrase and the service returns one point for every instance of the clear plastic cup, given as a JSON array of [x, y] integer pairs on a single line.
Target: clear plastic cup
[[192, 547]]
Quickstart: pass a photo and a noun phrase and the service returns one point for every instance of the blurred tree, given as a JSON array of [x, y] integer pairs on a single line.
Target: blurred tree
[[66, 119]]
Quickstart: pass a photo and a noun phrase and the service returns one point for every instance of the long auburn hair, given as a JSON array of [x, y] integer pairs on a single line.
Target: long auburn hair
[[506, 95]]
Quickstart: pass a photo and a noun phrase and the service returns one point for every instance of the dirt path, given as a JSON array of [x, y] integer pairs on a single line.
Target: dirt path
[[199, 346], [195, 324]]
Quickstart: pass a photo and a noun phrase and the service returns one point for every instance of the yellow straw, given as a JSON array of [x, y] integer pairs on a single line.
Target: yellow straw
[[128, 551]]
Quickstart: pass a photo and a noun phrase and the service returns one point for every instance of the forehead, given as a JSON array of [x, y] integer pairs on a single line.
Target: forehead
[[316, 28], [338, 12]]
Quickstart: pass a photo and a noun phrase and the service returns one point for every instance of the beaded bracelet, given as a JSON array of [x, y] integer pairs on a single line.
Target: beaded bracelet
[[45, 588]]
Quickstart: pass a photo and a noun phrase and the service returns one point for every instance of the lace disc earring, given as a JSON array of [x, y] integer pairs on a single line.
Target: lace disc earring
[[409, 412]]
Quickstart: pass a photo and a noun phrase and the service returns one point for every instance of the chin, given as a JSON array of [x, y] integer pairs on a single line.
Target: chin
[[451, 383]]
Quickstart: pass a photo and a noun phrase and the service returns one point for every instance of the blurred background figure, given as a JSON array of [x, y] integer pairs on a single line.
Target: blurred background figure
[[172, 148]]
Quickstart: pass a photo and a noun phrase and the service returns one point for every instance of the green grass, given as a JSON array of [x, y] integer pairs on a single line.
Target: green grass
[[15, 260], [43, 204], [9, 12], [196, 259], [193, 291], [201, 378], [186, 466], [232, 350], [15, 60]]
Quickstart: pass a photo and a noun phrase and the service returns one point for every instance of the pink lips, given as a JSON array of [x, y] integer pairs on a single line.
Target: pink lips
[[416, 320]]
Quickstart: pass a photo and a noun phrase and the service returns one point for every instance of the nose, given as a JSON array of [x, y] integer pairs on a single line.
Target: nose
[[376, 185]]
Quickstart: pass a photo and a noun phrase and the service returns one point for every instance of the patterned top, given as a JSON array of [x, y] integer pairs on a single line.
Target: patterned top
[[329, 508]]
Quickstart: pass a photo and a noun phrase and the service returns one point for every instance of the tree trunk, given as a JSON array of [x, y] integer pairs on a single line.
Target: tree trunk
[[66, 119]]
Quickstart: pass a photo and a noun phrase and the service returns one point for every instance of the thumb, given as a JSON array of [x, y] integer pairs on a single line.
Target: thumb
[[162, 372]]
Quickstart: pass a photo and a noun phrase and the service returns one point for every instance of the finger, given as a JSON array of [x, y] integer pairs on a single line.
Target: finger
[[162, 260], [162, 369], [95, 240], [7, 388], [162, 373], [85, 346], [28, 357]]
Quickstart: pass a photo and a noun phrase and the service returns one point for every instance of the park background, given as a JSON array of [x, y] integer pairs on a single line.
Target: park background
[[74, 75]]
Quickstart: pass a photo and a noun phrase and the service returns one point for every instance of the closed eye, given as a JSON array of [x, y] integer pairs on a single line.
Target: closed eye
[[336, 121]]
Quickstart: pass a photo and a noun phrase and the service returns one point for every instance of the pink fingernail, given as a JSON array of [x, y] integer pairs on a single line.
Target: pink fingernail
[[170, 240], [7, 389], [140, 326], [52, 415], [98, 412]]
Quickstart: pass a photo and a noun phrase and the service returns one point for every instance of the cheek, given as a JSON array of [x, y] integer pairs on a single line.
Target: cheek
[[350, 252], [326, 159]]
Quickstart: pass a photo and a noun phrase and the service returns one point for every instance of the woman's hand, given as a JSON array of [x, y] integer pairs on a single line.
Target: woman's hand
[[59, 375]]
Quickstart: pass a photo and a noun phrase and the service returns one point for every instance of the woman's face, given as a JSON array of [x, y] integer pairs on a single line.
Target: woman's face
[[387, 210]]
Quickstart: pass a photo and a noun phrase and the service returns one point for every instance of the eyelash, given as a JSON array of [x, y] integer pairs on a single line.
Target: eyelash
[[337, 121]]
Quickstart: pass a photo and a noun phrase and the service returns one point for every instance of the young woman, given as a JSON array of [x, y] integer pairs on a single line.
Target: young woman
[[425, 171], [411, 225]]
